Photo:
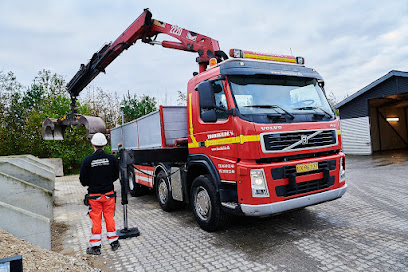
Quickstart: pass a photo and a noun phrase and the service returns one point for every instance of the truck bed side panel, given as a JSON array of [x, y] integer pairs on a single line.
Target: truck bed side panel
[[175, 123], [146, 132]]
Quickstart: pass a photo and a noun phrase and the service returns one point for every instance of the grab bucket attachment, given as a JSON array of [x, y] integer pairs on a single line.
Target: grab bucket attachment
[[54, 129]]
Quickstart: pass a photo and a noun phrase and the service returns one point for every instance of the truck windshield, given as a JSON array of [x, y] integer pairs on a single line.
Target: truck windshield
[[291, 99]]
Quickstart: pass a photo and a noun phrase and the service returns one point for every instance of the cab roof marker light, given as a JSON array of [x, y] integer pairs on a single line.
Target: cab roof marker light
[[213, 62], [300, 60], [272, 57], [238, 53]]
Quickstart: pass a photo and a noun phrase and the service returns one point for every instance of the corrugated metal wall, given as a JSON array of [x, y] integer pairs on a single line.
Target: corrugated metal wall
[[402, 83], [355, 136]]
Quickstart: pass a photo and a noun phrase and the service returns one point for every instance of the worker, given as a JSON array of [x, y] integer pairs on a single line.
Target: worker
[[98, 172]]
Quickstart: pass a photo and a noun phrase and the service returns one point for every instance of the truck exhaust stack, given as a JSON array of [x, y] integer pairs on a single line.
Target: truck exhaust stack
[[54, 129]]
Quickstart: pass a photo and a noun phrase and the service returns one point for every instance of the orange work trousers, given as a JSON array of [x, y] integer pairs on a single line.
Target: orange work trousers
[[102, 205]]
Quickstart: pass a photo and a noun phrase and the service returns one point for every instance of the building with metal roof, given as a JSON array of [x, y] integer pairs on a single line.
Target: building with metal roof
[[375, 117]]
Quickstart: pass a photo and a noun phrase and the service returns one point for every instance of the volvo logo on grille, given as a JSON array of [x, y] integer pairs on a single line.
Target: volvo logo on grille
[[304, 140], [298, 140]]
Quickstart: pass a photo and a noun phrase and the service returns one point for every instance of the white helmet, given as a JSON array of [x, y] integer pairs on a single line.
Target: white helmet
[[99, 139]]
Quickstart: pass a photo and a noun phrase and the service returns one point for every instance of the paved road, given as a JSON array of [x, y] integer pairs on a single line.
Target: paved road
[[366, 230]]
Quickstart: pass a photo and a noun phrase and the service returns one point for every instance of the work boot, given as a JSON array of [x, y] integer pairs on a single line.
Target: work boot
[[115, 245], [95, 250]]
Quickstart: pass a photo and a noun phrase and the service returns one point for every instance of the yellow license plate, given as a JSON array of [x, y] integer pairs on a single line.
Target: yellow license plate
[[300, 168]]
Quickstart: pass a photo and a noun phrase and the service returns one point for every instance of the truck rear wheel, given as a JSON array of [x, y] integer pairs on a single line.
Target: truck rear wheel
[[134, 188], [163, 192], [206, 204]]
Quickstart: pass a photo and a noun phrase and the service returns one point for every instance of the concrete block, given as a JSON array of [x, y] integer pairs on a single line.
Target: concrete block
[[31, 165], [57, 163], [35, 160], [25, 225], [10, 168], [27, 196]]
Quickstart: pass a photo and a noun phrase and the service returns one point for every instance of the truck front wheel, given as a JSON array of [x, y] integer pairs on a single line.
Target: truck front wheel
[[163, 192], [206, 204]]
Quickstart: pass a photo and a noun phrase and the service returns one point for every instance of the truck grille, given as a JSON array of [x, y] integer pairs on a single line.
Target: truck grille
[[304, 187], [298, 140]]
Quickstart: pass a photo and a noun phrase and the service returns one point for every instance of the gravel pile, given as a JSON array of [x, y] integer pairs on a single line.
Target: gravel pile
[[38, 259]]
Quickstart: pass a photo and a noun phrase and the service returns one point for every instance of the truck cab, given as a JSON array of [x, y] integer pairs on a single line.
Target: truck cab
[[263, 133]]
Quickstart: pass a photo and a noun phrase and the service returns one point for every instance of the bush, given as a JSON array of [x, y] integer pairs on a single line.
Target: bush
[[22, 112]]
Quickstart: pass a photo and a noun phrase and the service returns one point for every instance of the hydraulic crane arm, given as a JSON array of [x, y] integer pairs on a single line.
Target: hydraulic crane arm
[[101, 59], [146, 29]]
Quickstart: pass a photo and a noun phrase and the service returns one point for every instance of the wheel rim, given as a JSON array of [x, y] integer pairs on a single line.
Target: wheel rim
[[131, 184], [163, 191], [202, 203]]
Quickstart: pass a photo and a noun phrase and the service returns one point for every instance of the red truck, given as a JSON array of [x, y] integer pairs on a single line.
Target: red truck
[[256, 138]]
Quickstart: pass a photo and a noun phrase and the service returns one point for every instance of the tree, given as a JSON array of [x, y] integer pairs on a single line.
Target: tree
[[331, 98], [133, 107], [8, 85], [97, 102], [24, 112], [11, 118], [182, 99]]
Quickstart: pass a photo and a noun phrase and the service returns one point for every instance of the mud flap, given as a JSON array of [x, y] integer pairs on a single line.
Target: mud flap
[[54, 129]]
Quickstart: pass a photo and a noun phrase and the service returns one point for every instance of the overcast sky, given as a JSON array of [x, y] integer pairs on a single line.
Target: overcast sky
[[350, 43]]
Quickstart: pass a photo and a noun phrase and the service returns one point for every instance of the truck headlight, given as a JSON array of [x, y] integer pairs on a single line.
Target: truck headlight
[[258, 183], [342, 174]]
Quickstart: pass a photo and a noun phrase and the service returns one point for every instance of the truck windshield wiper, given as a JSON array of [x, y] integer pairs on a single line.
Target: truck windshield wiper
[[271, 107], [313, 108]]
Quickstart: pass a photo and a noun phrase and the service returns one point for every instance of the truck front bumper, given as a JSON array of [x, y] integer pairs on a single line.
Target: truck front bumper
[[291, 204]]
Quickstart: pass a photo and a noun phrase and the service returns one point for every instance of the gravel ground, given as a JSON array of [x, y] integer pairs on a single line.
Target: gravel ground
[[38, 259]]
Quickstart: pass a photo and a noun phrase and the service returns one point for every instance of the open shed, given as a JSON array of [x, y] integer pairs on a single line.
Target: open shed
[[375, 117]]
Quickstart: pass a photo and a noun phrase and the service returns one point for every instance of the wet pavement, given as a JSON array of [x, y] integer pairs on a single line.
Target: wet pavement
[[365, 230]]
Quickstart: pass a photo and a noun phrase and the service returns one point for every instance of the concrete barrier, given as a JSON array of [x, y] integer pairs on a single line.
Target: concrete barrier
[[26, 162], [34, 159], [26, 173], [27, 196], [26, 225], [57, 163]]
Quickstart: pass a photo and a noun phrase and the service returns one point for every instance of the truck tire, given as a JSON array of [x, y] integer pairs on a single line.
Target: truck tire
[[163, 192], [134, 188], [206, 204]]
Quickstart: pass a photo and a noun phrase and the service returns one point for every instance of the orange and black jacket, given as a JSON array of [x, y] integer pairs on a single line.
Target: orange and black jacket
[[99, 171]]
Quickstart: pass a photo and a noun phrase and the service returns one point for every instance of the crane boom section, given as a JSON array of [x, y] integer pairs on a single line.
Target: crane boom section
[[146, 29]]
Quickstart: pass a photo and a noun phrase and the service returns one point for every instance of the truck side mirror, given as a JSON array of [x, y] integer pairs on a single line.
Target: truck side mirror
[[206, 95], [209, 116]]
